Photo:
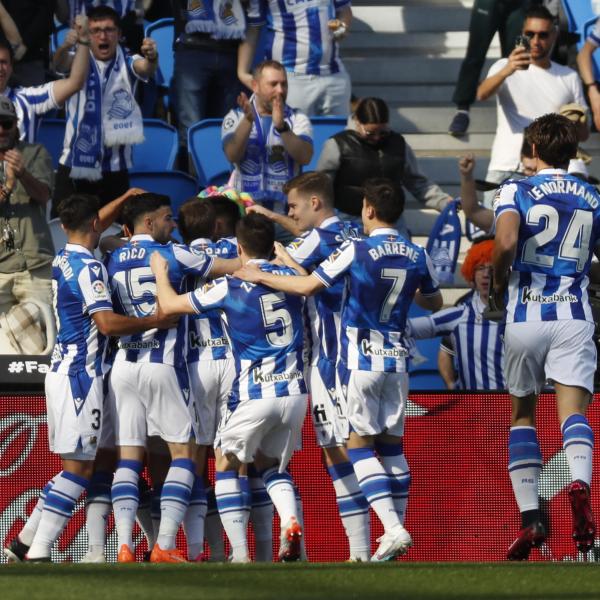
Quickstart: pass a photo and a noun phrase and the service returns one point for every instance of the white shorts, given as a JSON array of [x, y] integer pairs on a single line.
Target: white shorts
[[375, 400], [74, 406], [150, 399], [210, 384], [560, 351], [271, 425], [327, 406]]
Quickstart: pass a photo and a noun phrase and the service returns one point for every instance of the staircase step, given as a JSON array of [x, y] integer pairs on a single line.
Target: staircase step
[[436, 119]]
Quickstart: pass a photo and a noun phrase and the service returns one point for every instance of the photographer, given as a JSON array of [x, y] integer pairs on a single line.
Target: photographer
[[26, 250], [527, 85]]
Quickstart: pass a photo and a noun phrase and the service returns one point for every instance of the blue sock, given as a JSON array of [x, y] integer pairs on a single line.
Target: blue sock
[[524, 466]]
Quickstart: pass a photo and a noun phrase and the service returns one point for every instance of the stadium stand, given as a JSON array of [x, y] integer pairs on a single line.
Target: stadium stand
[[159, 150], [211, 166]]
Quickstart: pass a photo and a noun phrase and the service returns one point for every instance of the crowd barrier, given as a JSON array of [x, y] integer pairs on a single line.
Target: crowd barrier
[[461, 505]]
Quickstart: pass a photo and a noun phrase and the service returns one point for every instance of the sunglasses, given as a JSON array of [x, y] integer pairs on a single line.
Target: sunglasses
[[543, 35], [7, 125]]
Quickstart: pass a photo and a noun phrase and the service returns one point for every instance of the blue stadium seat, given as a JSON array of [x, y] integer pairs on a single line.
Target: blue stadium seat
[[204, 146], [425, 380], [323, 129], [429, 348], [175, 184], [159, 150], [51, 133], [58, 36], [163, 32], [579, 13]]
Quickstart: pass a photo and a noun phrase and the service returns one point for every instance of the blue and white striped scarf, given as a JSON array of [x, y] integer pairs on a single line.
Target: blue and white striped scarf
[[223, 19], [443, 245]]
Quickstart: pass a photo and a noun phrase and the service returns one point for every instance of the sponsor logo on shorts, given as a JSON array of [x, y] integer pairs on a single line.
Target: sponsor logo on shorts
[[260, 377], [139, 345], [368, 349], [529, 295]]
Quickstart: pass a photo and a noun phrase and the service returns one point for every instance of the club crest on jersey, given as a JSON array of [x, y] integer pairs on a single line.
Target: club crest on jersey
[[296, 243], [334, 254]]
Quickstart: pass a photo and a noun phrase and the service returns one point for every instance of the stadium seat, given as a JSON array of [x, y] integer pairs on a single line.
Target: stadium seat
[[425, 380], [204, 145], [323, 129], [51, 133], [58, 37], [429, 349], [175, 184], [162, 32], [159, 150]]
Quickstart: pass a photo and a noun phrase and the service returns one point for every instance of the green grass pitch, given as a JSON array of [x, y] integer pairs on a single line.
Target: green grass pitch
[[446, 581]]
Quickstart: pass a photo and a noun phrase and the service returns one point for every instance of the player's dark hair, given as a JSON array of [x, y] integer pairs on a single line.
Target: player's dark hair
[[526, 149], [266, 64], [139, 206], [371, 111], [256, 234], [196, 219], [555, 139], [4, 45], [313, 183], [77, 211], [539, 11], [386, 198], [99, 13], [227, 211]]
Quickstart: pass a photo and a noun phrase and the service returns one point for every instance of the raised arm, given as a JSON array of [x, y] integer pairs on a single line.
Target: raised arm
[[234, 146], [479, 215], [586, 71], [12, 33], [517, 59], [146, 67], [299, 149], [111, 323], [246, 52], [301, 285]]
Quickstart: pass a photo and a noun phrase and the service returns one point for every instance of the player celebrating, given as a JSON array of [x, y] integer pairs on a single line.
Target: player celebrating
[[74, 384], [268, 398], [383, 273], [546, 229], [149, 379]]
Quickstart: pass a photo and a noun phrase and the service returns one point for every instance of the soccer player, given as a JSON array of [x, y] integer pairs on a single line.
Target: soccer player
[[546, 229], [74, 384], [267, 403], [149, 380], [383, 272]]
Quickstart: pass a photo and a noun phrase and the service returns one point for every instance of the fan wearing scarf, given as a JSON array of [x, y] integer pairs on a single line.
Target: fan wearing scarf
[[104, 119], [266, 140]]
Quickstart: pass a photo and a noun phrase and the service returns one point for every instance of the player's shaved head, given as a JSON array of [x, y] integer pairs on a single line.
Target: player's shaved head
[[196, 219], [256, 235], [386, 199], [137, 207], [76, 212]]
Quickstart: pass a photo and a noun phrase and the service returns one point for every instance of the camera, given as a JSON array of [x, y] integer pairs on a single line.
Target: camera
[[524, 42]]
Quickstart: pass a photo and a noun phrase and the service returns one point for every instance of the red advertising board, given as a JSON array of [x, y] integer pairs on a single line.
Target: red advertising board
[[461, 506]]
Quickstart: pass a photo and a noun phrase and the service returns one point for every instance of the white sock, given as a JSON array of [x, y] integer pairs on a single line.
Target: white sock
[[375, 485], [97, 508], [155, 508], [193, 522], [174, 500], [143, 516], [524, 466], [300, 517], [213, 528], [281, 490], [58, 509], [231, 510], [353, 508], [395, 465], [125, 497], [578, 444], [261, 516], [27, 534]]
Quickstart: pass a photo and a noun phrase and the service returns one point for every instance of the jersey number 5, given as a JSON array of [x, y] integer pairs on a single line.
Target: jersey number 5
[[575, 245], [277, 321]]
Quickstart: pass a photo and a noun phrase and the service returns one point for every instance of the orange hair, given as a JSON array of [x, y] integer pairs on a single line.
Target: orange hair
[[478, 254]]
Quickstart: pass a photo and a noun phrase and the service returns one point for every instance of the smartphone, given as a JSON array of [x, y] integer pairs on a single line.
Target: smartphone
[[524, 42]]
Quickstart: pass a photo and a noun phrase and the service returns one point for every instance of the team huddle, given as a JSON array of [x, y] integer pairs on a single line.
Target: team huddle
[[166, 350]]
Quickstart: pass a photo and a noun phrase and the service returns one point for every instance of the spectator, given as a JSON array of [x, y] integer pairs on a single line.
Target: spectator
[[103, 119], [585, 63], [371, 148], [30, 102], [527, 85], [471, 357], [26, 250], [207, 36], [266, 140], [487, 16], [304, 38], [33, 19]]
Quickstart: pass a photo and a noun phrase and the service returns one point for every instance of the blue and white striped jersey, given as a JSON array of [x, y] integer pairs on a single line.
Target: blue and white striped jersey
[[207, 337], [80, 289], [297, 33], [477, 343], [30, 103], [265, 329], [114, 158], [322, 311], [133, 288], [383, 273], [559, 228]]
